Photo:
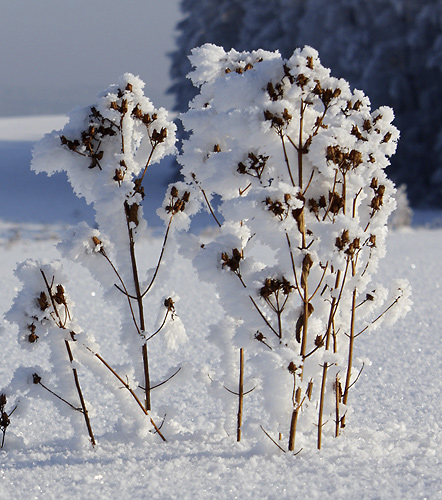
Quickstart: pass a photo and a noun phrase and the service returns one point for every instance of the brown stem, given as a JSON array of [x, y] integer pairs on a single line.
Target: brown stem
[[331, 197], [139, 300], [354, 202], [350, 354], [80, 395], [147, 388], [286, 159], [59, 397], [206, 199], [133, 259], [308, 184], [321, 404], [333, 308], [278, 315], [344, 192], [338, 393], [240, 394], [152, 387], [126, 385], [103, 253], [148, 162], [294, 420], [320, 282], [305, 319], [271, 439], [263, 317], [160, 258], [61, 325], [298, 288], [300, 145]]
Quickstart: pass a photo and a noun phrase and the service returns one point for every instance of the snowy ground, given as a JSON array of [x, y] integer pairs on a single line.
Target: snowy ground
[[391, 448]]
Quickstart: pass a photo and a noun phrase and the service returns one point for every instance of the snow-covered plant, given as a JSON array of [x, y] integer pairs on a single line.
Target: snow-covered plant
[[43, 312], [106, 149], [294, 160]]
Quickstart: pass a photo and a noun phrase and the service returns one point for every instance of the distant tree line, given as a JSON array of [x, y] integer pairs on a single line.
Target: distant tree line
[[391, 49]]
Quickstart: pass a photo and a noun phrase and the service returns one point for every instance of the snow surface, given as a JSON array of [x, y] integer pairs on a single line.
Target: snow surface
[[390, 448]]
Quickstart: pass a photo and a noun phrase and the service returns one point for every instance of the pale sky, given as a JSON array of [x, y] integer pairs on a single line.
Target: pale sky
[[58, 54]]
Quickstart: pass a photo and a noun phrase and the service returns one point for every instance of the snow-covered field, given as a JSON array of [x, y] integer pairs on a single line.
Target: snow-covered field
[[391, 447]]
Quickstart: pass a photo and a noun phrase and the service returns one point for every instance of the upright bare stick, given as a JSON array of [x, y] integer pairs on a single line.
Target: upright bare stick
[[240, 393], [80, 395]]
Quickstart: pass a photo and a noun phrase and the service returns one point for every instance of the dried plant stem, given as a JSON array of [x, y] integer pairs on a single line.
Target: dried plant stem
[[300, 147], [139, 299], [306, 315], [124, 290], [304, 286], [344, 193], [350, 354], [4, 418], [58, 397], [263, 317], [126, 385], [133, 260], [159, 259], [333, 309], [286, 159], [147, 388], [61, 325], [240, 394], [321, 404], [272, 440], [338, 394], [209, 206], [80, 395], [294, 419]]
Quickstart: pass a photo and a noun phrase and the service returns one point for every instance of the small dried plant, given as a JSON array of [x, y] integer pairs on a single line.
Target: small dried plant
[[43, 311], [297, 160], [106, 149]]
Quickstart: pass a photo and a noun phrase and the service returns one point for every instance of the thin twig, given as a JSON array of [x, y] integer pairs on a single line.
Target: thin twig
[[165, 381], [125, 292], [320, 283], [161, 326], [80, 394], [286, 159], [206, 200], [357, 378], [126, 385], [159, 259], [293, 266], [263, 317], [59, 397], [272, 440]]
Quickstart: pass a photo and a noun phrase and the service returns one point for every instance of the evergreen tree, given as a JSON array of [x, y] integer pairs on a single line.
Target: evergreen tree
[[218, 22], [391, 49]]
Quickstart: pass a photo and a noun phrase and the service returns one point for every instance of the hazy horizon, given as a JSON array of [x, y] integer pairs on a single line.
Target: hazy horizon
[[56, 55]]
